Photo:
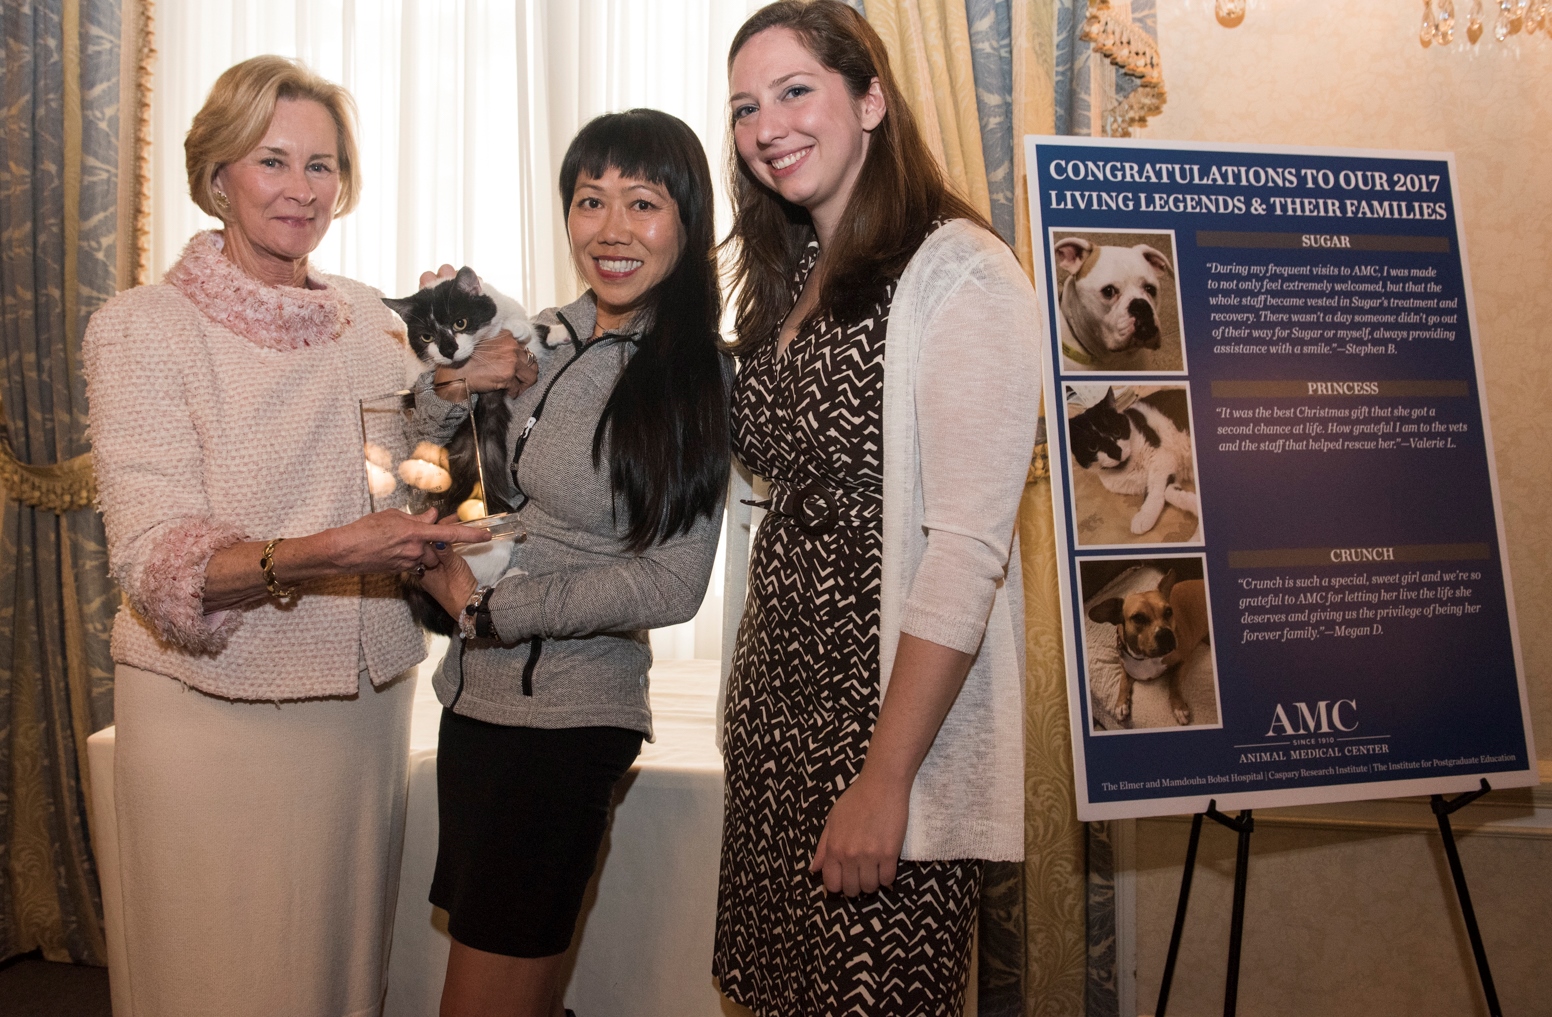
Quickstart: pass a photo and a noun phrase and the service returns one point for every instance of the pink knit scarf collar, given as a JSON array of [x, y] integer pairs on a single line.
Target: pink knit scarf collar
[[275, 317]]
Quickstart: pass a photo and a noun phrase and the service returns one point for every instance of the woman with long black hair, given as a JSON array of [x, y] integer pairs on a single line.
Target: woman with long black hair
[[621, 475]]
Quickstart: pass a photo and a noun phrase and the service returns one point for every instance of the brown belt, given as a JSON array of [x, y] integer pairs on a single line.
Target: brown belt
[[819, 509]]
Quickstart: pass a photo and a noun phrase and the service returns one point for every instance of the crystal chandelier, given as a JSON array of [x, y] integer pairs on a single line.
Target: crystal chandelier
[[1438, 27], [1513, 17]]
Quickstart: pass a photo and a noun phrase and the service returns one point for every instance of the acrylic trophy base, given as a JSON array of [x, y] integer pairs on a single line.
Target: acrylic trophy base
[[489, 560], [411, 468]]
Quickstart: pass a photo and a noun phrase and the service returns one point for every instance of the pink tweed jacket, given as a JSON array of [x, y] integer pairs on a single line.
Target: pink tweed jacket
[[225, 410]]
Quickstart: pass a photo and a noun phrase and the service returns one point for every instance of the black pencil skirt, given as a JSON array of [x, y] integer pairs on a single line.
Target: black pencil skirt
[[523, 811]]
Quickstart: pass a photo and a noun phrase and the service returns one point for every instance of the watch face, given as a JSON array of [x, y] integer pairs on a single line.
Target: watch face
[[484, 627]]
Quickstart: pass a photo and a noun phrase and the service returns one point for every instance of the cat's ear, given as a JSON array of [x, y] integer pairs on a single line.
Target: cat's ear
[[1109, 400], [468, 282], [399, 306]]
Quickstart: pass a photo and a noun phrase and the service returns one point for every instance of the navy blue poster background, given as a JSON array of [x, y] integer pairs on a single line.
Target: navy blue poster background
[[1276, 510]]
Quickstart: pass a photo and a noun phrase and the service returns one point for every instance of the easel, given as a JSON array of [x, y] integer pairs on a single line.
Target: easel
[[1244, 825]]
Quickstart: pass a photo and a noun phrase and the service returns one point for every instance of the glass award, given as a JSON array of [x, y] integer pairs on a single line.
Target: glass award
[[412, 467]]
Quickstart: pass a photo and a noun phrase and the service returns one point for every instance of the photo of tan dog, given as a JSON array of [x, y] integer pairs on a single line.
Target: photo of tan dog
[[1149, 630], [1156, 630]]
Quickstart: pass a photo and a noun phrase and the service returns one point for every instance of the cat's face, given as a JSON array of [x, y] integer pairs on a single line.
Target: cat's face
[[1100, 435], [444, 320]]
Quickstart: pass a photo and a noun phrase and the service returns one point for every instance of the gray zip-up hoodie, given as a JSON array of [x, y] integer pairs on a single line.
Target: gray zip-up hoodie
[[573, 648]]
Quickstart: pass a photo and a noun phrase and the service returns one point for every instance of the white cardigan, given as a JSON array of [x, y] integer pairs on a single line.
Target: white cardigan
[[961, 402]]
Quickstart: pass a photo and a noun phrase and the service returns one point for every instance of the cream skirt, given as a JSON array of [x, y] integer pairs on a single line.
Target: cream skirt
[[259, 846]]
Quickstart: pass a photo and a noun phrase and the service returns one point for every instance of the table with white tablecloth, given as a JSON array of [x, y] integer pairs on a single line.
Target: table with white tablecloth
[[644, 940]]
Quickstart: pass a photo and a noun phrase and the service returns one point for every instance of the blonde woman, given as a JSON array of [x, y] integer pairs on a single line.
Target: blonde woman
[[262, 702]]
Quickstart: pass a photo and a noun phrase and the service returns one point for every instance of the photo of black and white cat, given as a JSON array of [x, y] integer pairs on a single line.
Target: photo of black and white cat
[[1135, 476]]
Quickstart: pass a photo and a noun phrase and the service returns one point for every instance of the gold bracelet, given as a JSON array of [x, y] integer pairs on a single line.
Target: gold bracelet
[[267, 566]]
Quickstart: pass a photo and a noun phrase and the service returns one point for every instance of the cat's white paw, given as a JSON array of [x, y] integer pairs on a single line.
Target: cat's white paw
[[1143, 521]]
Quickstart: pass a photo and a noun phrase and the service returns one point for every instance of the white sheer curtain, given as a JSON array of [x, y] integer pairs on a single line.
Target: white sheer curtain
[[467, 107]]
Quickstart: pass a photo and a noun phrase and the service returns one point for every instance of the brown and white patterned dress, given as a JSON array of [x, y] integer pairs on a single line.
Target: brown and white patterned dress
[[802, 702]]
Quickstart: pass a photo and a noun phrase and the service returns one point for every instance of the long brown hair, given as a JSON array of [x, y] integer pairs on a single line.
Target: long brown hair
[[900, 190]]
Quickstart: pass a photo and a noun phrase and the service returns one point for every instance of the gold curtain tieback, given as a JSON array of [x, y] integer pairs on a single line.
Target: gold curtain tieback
[[59, 488]]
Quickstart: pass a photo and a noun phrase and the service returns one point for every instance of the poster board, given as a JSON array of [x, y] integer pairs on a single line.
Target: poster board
[[1280, 551]]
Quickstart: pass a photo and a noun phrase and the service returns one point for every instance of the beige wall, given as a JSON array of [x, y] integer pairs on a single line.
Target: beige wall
[[1351, 72]]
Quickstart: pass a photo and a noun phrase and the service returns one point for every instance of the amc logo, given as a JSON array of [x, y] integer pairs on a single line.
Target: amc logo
[[1323, 719]]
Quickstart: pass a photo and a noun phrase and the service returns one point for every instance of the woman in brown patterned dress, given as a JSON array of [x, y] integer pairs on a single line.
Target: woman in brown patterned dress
[[872, 727]]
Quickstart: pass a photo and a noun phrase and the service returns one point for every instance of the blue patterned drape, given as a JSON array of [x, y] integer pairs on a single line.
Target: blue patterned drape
[[991, 45], [59, 157], [1032, 931], [1095, 96], [1072, 67], [1097, 64], [1001, 944]]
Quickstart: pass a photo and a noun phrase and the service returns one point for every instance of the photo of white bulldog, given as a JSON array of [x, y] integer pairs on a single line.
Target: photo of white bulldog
[[1118, 303]]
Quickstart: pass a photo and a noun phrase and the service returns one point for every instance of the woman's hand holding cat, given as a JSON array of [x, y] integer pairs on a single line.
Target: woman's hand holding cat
[[430, 279], [499, 363], [451, 581]]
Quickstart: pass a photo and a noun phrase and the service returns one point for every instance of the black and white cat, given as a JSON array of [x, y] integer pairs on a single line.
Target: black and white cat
[[446, 323], [1144, 449]]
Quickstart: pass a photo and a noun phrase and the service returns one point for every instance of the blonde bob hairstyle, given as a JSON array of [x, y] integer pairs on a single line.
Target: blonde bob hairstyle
[[237, 113]]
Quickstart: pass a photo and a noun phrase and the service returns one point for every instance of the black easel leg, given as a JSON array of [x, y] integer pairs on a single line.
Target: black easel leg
[[1243, 825], [1180, 914], [1237, 922], [1441, 811]]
